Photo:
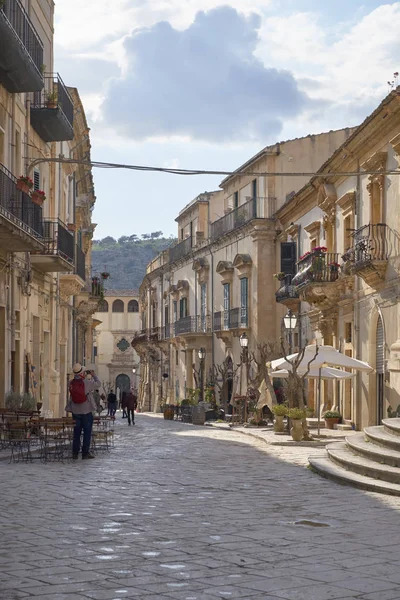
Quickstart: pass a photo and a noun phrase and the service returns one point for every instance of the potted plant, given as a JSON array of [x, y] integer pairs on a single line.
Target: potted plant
[[105, 275], [279, 276], [280, 411], [52, 99], [296, 415], [319, 250], [169, 412], [24, 183], [332, 418], [38, 197]]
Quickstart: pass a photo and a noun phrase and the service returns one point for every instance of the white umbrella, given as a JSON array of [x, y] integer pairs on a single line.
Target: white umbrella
[[326, 373], [327, 355]]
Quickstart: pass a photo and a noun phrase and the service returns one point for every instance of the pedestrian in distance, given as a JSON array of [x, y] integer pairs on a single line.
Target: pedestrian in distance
[[129, 400], [112, 404], [82, 405]]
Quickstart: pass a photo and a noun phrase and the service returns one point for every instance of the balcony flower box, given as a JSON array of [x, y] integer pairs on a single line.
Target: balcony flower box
[[38, 197], [24, 183]]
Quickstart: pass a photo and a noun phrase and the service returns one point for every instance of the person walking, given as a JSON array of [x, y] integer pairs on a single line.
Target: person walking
[[112, 404], [82, 405], [130, 401]]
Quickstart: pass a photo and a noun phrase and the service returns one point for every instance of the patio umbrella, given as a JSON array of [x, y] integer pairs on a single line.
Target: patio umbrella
[[326, 373], [327, 355]]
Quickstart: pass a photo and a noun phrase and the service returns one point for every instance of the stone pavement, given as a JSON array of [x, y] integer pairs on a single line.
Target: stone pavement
[[192, 513]]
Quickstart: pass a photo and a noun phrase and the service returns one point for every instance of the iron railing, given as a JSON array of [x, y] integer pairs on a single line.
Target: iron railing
[[180, 250], [195, 324], [255, 208], [154, 333], [317, 266], [234, 318], [95, 287], [18, 207], [80, 262], [23, 27], [371, 243], [54, 95], [287, 291], [218, 321], [58, 240]]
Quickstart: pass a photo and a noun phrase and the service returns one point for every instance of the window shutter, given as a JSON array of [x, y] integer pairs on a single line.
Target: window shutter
[[36, 180], [288, 258]]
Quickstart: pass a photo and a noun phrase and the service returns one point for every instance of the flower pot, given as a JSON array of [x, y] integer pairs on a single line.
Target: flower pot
[[169, 412], [296, 430], [278, 424], [51, 104], [198, 415], [71, 227], [330, 423], [37, 198], [23, 186]]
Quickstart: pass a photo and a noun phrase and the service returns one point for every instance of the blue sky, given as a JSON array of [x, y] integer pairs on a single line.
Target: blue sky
[[206, 84]]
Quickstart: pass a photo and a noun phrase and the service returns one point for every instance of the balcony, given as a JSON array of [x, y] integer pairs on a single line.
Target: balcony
[[52, 111], [200, 324], [21, 222], [368, 257], [58, 255], [316, 276], [71, 284], [256, 208], [140, 337], [288, 293], [154, 334], [21, 50], [180, 250], [235, 318], [80, 263]]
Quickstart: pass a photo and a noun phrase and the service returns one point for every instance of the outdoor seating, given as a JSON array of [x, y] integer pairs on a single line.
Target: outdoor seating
[[103, 434]]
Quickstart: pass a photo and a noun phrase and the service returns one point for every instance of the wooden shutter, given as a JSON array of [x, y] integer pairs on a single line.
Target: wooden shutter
[[288, 258]]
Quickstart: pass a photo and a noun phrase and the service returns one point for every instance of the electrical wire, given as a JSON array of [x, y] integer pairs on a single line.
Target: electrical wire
[[170, 171]]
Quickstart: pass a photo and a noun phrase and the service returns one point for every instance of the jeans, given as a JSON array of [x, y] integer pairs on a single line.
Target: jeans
[[112, 409], [131, 415], [82, 423]]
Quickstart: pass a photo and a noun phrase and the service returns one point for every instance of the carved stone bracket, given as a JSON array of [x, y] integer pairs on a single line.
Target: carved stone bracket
[[70, 285], [85, 311], [225, 269], [201, 266]]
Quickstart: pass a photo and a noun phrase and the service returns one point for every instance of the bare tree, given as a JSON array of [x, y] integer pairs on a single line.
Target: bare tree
[[221, 374], [107, 387]]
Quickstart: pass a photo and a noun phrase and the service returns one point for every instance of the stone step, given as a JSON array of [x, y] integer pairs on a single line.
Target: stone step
[[327, 468], [392, 426], [359, 444], [343, 427], [378, 435], [341, 454]]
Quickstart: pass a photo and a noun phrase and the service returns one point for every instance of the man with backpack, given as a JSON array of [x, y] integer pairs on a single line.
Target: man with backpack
[[129, 403], [82, 405]]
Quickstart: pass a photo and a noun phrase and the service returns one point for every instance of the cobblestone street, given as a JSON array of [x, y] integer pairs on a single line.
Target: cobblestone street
[[192, 513]]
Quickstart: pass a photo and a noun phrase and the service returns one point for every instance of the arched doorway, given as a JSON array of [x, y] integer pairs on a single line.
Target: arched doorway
[[380, 369], [228, 385], [123, 383]]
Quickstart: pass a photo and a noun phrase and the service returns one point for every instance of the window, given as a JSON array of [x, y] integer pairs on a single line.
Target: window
[[103, 306], [166, 315], [236, 200], [254, 188], [123, 345], [177, 358], [203, 305], [227, 304], [133, 306], [118, 306], [175, 310], [183, 308], [288, 258], [154, 314], [244, 294], [348, 334]]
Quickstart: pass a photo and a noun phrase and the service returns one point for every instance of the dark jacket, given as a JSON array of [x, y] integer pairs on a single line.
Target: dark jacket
[[112, 398], [129, 401]]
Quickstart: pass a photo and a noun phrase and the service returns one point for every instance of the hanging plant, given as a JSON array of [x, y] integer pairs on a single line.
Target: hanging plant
[[105, 275]]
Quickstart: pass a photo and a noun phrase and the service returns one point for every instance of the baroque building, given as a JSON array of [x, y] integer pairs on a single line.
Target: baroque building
[[217, 281], [45, 212]]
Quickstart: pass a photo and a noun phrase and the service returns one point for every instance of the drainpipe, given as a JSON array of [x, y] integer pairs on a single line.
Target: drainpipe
[[357, 408], [212, 288]]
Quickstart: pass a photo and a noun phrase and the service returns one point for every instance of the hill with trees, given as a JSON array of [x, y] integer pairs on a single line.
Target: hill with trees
[[126, 258]]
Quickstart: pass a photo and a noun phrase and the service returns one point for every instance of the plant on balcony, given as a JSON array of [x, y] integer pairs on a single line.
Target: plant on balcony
[[105, 275], [304, 256], [38, 197], [24, 183], [279, 276], [319, 250], [52, 99]]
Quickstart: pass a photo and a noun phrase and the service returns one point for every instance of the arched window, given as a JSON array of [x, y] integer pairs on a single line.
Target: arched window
[[118, 306], [103, 306], [133, 306]]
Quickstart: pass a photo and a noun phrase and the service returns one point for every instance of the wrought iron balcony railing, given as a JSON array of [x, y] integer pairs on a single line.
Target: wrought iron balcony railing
[[256, 208], [235, 318], [21, 49], [196, 324], [317, 267], [180, 250], [287, 291], [18, 207], [80, 262], [371, 243], [52, 110], [58, 240], [218, 321]]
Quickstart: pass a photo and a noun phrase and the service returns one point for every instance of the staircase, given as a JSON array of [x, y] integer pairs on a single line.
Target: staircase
[[369, 460]]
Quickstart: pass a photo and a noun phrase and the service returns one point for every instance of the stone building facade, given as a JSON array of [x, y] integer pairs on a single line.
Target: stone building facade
[[116, 321], [217, 282], [44, 244]]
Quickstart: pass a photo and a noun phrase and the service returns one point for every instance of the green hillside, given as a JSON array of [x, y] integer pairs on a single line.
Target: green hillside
[[126, 258]]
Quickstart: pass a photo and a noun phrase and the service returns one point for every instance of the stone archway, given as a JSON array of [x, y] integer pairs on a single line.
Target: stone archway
[[122, 383]]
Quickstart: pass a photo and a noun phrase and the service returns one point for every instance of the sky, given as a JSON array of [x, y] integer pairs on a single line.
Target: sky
[[204, 84]]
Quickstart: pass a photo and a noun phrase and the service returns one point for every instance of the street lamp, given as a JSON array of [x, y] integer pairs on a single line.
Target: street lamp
[[202, 356], [290, 322], [244, 343]]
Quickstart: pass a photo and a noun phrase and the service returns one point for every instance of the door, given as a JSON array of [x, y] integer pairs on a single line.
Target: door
[[123, 382], [380, 370]]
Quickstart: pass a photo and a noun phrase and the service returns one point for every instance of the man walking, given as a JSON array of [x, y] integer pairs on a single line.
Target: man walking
[[82, 406], [112, 404], [129, 402]]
